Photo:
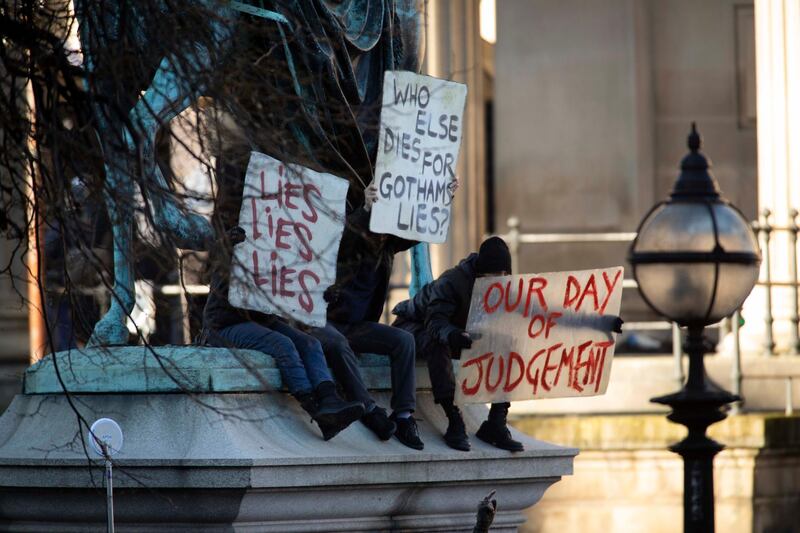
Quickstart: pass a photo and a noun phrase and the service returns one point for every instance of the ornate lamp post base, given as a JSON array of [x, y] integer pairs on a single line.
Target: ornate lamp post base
[[697, 405]]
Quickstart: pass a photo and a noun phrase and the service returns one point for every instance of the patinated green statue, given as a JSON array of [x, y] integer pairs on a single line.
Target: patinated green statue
[[147, 61]]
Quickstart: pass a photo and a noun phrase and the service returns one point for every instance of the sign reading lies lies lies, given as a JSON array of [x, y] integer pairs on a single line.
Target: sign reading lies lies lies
[[293, 217], [540, 336], [420, 136]]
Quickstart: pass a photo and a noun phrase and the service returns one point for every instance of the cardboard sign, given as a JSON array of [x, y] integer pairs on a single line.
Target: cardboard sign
[[421, 128], [294, 219], [540, 336]]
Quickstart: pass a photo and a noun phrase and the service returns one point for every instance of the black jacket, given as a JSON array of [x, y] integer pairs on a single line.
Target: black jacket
[[363, 270], [218, 312], [443, 305]]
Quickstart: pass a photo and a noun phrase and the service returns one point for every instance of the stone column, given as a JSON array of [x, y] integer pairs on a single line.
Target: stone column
[[778, 83], [453, 50], [14, 347]]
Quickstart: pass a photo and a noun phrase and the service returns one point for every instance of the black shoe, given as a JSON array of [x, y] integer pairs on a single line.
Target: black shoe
[[407, 432], [379, 423], [456, 434], [498, 436], [334, 414]]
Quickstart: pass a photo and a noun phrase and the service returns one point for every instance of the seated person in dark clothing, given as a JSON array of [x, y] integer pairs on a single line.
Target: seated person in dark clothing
[[437, 316], [344, 365], [298, 356], [356, 302]]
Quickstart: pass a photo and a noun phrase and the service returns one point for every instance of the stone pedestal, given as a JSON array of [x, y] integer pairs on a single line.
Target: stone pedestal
[[251, 460]]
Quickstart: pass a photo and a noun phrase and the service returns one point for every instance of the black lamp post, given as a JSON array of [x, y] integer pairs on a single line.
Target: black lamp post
[[695, 259]]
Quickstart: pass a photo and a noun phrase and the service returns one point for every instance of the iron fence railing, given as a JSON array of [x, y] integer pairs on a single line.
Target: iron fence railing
[[516, 239], [765, 231]]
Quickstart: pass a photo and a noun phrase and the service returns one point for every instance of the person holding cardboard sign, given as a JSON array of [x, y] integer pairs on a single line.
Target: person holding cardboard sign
[[297, 355], [355, 305], [437, 316]]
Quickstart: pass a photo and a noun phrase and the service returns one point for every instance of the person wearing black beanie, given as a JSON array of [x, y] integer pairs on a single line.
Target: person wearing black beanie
[[493, 257], [437, 316]]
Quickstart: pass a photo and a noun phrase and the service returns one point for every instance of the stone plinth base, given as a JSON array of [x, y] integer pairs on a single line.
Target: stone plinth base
[[248, 461]]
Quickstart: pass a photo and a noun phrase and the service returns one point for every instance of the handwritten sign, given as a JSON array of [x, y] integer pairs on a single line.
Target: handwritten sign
[[294, 219], [420, 135], [540, 336]]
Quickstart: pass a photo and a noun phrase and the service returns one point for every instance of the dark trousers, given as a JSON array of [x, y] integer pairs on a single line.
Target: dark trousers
[[344, 364], [436, 355], [440, 367], [372, 337]]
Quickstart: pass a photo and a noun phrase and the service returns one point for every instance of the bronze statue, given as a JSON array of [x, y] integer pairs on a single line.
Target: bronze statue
[[148, 61]]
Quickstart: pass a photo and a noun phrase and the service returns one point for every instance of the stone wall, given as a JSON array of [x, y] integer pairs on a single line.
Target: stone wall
[[626, 481], [593, 104]]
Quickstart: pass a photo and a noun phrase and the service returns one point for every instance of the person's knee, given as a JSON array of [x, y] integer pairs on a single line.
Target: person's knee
[[283, 347], [405, 341], [308, 345], [340, 348]]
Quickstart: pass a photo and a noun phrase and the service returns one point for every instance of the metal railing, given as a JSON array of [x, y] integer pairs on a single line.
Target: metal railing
[[516, 238], [764, 230]]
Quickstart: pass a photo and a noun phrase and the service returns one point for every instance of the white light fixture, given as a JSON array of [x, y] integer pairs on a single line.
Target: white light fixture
[[488, 21]]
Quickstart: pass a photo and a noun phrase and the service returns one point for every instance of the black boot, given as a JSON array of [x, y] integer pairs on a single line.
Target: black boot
[[334, 414], [456, 434], [495, 430]]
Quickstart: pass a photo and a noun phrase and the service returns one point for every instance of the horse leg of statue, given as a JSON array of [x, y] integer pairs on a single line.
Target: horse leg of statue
[[118, 188], [169, 94], [163, 100], [118, 192], [420, 268]]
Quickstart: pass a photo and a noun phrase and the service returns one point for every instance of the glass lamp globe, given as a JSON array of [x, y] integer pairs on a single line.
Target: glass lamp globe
[[695, 257]]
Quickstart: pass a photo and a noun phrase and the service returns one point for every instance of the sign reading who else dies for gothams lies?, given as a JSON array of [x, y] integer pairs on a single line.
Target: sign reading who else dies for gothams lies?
[[420, 135], [540, 336], [294, 218]]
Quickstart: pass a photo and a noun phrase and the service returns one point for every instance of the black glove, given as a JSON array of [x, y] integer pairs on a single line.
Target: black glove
[[332, 294], [616, 326], [459, 339], [236, 235]]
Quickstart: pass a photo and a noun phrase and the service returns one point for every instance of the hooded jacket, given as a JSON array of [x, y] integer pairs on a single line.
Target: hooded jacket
[[443, 305]]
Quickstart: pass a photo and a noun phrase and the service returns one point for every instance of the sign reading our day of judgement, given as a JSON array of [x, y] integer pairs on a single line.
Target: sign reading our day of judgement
[[294, 218], [420, 135], [540, 336]]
